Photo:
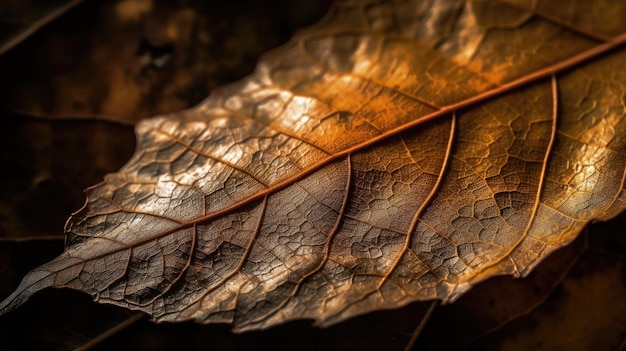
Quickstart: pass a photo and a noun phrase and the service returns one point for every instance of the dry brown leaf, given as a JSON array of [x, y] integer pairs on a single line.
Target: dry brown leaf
[[395, 152]]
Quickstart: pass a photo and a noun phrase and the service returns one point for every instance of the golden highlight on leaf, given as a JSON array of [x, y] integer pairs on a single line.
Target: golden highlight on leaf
[[397, 151]]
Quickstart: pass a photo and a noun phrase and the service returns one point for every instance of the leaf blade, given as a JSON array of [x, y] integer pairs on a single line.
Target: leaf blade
[[254, 154]]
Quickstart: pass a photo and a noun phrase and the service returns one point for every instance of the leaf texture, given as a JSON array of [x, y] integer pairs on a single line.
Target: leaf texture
[[397, 151]]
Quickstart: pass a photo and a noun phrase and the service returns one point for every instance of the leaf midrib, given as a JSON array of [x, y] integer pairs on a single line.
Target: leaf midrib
[[571, 62], [585, 56]]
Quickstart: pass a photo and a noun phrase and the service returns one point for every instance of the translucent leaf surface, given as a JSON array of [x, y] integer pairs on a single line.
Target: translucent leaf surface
[[397, 151]]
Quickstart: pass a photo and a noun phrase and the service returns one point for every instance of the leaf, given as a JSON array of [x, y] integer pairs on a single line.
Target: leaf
[[375, 160]]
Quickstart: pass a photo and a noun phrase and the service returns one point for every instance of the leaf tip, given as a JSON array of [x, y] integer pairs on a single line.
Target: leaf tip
[[33, 282]]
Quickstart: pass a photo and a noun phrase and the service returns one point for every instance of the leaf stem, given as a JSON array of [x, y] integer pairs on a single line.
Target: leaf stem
[[109, 333], [420, 327], [37, 25]]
